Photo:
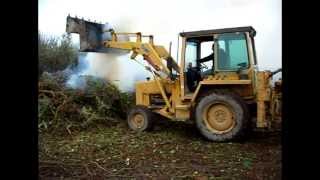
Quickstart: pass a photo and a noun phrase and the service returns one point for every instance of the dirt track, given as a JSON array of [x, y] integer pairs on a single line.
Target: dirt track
[[172, 150]]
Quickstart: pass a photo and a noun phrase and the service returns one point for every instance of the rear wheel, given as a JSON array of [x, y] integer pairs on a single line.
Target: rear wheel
[[140, 118], [221, 117]]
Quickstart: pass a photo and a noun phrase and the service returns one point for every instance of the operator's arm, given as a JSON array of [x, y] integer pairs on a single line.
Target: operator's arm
[[208, 58]]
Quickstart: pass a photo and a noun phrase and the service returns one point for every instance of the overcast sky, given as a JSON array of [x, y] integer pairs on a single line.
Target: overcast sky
[[166, 18]]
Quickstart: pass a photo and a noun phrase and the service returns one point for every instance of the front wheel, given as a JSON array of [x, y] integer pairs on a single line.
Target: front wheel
[[221, 117], [140, 118]]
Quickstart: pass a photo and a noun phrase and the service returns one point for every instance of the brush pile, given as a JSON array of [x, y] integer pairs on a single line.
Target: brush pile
[[65, 109]]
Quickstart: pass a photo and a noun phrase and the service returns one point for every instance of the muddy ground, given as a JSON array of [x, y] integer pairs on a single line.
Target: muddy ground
[[173, 150]]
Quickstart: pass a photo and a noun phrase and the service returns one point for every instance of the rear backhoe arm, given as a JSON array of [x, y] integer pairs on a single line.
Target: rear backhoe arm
[[153, 54]]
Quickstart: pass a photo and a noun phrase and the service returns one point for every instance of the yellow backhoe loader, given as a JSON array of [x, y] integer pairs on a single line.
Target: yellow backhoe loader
[[222, 93]]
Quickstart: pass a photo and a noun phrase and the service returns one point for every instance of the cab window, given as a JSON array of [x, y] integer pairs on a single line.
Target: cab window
[[232, 52]]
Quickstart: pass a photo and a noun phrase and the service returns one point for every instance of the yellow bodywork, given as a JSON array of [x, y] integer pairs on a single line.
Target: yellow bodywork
[[178, 105]]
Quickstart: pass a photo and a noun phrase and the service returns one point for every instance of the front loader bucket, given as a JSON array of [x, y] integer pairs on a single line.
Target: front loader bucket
[[91, 34]]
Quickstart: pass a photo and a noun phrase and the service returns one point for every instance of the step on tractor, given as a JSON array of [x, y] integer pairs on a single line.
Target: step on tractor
[[216, 85]]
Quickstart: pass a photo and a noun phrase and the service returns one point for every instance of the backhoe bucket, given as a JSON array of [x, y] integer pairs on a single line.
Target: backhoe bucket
[[91, 34]]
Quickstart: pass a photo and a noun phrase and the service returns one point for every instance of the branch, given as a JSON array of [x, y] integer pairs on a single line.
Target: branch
[[99, 166]]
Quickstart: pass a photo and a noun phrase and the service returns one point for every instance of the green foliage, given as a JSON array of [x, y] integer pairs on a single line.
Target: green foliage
[[62, 108], [55, 53], [247, 163], [44, 111]]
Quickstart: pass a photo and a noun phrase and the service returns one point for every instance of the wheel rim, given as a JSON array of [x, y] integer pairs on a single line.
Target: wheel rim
[[138, 121], [219, 118]]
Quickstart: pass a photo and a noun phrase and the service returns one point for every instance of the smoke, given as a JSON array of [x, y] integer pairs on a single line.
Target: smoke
[[75, 78], [114, 66], [94, 64]]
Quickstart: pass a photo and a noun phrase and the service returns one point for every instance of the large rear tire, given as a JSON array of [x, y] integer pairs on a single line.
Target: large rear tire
[[140, 118], [221, 117]]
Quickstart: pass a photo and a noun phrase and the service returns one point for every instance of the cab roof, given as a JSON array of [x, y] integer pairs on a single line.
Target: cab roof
[[249, 29]]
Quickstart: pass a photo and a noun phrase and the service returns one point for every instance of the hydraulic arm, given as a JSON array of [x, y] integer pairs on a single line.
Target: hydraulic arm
[[95, 37], [153, 54]]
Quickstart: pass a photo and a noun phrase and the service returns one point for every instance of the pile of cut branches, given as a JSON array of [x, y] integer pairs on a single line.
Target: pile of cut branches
[[67, 109]]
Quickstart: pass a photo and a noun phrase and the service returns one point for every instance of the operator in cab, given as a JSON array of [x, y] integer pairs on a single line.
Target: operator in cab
[[193, 77], [206, 59]]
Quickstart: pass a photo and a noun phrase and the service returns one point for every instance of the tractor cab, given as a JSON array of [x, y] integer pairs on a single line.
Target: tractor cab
[[221, 54]]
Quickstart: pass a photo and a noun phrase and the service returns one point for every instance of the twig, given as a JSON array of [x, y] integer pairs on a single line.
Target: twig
[[99, 166], [69, 131], [59, 107], [53, 93], [183, 176], [87, 169], [47, 91], [50, 162], [113, 163], [122, 176], [110, 119], [59, 163], [60, 92], [122, 170]]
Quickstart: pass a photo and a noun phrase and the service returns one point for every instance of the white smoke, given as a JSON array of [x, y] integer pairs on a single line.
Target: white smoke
[[75, 79], [115, 67]]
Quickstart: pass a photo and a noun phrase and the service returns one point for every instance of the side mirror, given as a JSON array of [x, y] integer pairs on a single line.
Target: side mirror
[[240, 71], [242, 65]]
